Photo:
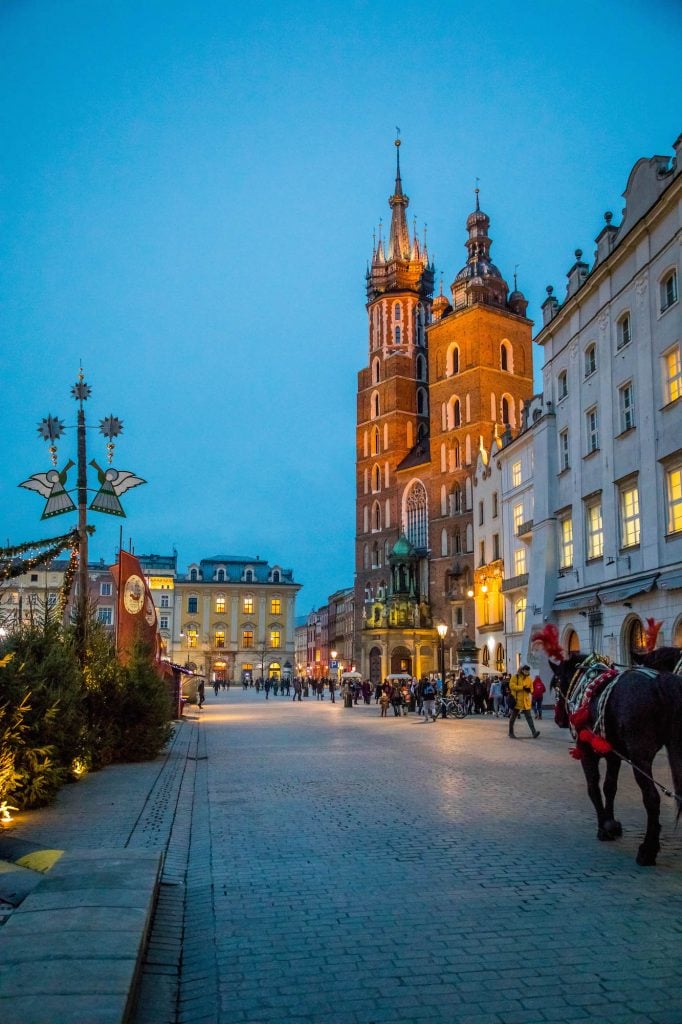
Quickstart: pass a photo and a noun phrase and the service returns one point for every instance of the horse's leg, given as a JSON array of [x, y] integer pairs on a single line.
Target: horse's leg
[[590, 765], [611, 825], [649, 847]]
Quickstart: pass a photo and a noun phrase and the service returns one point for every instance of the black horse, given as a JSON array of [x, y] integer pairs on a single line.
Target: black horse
[[642, 714]]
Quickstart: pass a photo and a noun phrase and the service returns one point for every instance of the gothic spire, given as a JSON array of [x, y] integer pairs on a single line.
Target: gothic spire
[[399, 238]]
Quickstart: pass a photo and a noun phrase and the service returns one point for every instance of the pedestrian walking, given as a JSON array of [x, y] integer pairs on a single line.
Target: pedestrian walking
[[201, 693], [521, 690], [495, 695], [538, 693], [383, 704], [429, 697]]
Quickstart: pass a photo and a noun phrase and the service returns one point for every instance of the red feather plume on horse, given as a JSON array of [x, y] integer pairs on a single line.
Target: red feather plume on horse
[[548, 639], [651, 632]]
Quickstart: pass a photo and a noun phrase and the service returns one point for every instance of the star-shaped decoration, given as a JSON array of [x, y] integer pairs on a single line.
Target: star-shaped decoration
[[51, 428], [81, 391], [111, 426]]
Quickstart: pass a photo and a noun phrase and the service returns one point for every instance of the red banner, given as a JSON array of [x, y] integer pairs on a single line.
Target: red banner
[[136, 614]]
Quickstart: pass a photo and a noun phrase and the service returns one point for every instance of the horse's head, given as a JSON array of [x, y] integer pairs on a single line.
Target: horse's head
[[561, 680], [663, 659]]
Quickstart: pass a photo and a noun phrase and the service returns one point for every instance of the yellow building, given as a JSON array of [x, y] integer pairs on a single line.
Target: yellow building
[[235, 619]]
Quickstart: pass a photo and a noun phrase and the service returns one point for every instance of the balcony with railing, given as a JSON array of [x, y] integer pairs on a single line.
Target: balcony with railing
[[515, 583]]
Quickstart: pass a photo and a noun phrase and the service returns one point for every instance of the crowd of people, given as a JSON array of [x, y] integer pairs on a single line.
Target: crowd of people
[[490, 695]]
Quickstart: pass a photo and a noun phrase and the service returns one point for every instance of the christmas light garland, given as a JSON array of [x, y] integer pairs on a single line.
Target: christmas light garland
[[13, 565]]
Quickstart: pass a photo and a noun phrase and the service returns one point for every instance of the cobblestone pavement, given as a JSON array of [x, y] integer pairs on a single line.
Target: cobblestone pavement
[[347, 869]]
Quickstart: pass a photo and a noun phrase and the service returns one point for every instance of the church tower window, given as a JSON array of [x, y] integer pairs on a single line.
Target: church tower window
[[416, 515]]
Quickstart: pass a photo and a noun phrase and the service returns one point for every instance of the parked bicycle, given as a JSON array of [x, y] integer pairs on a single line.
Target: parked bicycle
[[453, 706]]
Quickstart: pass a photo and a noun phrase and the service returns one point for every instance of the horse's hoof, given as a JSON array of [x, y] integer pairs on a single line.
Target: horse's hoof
[[646, 857], [604, 836], [614, 828], [617, 828]]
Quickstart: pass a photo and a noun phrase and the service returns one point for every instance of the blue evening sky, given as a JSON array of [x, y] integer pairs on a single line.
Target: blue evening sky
[[187, 197]]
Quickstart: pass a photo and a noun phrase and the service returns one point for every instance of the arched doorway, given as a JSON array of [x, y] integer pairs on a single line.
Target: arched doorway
[[401, 660], [274, 670], [375, 666], [633, 638], [571, 643]]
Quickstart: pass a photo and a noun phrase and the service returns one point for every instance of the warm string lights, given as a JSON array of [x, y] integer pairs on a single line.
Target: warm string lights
[[12, 564]]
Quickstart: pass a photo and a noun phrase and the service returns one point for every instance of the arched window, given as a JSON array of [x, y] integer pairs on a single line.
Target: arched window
[[508, 411], [443, 463], [493, 407], [590, 359], [220, 576], [193, 575], [443, 500], [454, 413], [444, 542], [667, 290], [562, 385], [506, 362], [376, 516], [387, 514], [375, 441], [375, 405], [458, 457], [452, 360], [248, 576], [416, 515], [635, 640], [457, 542], [571, 642], [376, 559], [421, 367], [396, 311], [485, 653], [376, 479], [499, 658], [421, 431], [422, 402], [505, 410], [397, 335], [376, 371], [457, 498], [623, 331]]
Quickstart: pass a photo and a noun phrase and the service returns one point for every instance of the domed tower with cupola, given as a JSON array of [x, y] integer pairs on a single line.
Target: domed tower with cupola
[[392, 422], [480, 377]]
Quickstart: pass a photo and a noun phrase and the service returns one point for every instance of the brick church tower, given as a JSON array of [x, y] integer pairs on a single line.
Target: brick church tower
[[443, 378], [392, 419], [480, 377]]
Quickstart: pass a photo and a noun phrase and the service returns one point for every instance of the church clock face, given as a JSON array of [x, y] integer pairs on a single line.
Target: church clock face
[[133, 595]]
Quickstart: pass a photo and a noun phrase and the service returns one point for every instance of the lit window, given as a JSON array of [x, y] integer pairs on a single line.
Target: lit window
[[629, 516], [247, 605], [668, 290], [247, 638], [592, 429], [595, 531], [191, 637], [566, 542], [220, 604], [518, 517], [219, 639], [275, 638], [192, 605], [516, 474], [674, 488], [562, 385], [105, 616], [519, 561], [673, 374], [276, 606], [623, 332], [564, 451], [520, 614], [590, 359], [626, 403]]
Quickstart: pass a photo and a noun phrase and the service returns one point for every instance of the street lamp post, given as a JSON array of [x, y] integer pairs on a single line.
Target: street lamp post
[[442, 631]]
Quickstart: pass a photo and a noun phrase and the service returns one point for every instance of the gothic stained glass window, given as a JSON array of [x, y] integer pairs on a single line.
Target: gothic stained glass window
[[416, 509]]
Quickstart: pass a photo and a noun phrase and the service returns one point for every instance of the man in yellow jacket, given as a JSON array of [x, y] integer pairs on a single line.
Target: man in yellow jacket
[[522, 690]]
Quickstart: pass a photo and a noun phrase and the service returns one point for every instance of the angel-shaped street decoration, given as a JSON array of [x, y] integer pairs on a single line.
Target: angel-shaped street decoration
[[51, 486], [113, 482]]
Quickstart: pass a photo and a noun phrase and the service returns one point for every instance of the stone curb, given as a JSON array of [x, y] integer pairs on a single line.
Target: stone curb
[[72, 951]]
